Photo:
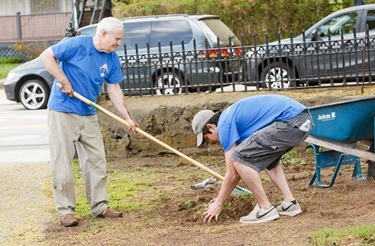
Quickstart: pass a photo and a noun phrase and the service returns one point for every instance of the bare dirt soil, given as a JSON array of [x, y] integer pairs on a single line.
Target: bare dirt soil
[[177, 219], [173, 211]]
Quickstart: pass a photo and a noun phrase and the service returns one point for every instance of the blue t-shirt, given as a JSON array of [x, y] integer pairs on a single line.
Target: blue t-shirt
[[243, 118], [86, 69]]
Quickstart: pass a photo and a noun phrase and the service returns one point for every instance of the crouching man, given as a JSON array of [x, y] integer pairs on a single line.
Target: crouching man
[[255, 133]]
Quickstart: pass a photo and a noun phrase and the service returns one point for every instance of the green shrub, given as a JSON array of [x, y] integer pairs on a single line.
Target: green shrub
[[6, 68], [251, 19], [10, 60], [29, 50]]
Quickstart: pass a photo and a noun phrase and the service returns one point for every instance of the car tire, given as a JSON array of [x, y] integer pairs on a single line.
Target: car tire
[[34, 94], [169, 83], [274, 73]]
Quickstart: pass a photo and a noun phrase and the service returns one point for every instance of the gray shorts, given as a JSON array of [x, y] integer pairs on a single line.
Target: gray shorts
[[264, 148]]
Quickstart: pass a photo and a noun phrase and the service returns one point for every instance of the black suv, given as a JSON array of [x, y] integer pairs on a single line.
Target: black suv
[[167, 54]]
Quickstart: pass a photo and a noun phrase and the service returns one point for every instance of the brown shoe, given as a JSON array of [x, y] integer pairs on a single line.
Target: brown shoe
[[68, 220], [110, 213]]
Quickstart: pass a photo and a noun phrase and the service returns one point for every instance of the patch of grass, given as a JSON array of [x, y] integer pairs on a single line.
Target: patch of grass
[[187, 205], [120, 187], [125, 190], [163, 198], [6, 68], [138, 188], [292, 159], [364, 233], [96, 226]]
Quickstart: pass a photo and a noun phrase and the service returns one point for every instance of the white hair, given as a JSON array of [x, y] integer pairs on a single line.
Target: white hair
[[108, 24]]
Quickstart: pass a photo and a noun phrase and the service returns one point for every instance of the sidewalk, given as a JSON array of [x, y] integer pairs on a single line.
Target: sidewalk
[[25, 210]]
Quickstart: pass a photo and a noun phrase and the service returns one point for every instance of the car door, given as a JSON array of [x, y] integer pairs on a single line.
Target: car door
[[368, 21], [335, 54], [132, 52], [169, 40]]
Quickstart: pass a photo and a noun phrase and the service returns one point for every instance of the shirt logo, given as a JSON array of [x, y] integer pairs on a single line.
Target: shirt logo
[[103, 70]]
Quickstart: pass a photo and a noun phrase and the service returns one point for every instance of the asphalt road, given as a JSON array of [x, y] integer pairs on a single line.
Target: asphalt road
[[23, 133], [25, 209]]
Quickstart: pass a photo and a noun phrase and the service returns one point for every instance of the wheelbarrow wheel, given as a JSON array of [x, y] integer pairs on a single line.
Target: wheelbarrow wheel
[[371, 165]]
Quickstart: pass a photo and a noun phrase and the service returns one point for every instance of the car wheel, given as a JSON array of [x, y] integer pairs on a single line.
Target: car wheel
[[169, 84], [277, 75], [34, 94]]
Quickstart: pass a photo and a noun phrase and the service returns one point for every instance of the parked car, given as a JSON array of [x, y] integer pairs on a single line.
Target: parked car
[[333, 49], [160, 55]]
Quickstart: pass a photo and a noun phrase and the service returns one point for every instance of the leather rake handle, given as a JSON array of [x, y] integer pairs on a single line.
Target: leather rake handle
[[143, 133]]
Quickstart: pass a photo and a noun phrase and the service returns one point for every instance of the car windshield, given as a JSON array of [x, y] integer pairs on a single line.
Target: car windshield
[[345, 22], [215, 28]]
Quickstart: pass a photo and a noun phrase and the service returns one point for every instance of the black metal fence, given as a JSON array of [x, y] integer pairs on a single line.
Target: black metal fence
[[285, 64]]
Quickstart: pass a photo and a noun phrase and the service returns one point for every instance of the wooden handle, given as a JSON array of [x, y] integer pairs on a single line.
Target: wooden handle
[[143, 133]]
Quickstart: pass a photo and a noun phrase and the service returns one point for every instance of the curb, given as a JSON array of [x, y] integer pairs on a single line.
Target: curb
[[2, 83]]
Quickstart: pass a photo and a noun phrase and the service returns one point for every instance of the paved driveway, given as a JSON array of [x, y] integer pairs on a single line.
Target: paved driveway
[[25, 209]]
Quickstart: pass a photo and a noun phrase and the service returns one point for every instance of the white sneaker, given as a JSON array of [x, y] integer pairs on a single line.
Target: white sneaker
[[289, 208], [259, 215]]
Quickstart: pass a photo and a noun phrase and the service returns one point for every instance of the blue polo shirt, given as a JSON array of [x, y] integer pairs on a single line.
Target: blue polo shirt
[[246, 116], [86, 69]]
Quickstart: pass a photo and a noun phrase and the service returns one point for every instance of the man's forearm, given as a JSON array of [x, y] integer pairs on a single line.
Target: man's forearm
[[49, 61], [117, 98], [230, 181]]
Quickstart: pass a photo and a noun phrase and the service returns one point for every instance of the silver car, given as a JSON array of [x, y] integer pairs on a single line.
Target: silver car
[[334, 49]]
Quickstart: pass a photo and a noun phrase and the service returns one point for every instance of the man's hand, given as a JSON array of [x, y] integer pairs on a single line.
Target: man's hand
[[213, 210], [132, 124], [66, 87]]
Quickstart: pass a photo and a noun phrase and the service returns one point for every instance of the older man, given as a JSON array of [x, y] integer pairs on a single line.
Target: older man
[[82, 64]]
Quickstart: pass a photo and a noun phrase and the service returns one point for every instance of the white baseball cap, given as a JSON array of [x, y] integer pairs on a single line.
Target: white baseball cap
[[199, 122]]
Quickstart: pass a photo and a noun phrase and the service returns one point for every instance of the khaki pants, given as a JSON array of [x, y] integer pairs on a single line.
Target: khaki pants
[[65, 131]]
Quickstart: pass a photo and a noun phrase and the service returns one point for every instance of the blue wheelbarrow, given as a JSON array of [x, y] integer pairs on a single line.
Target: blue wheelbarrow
[[337, 129]]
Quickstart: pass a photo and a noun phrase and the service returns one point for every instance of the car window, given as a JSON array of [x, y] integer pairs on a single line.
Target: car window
[[170, 30], [136, 33], [370, 19], [345, 22], [89, 31], [215, 28]]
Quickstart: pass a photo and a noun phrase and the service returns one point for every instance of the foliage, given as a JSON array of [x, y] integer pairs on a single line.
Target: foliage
[[6, 68], [250, 19], [29, 50], [10, 60]]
